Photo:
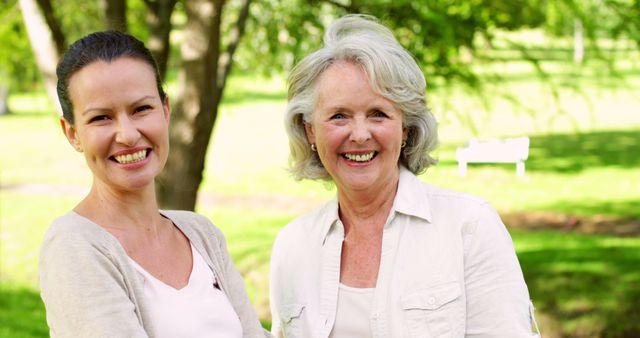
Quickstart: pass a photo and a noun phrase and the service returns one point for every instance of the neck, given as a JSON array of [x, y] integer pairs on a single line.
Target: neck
[[122, 210], [366, 211]]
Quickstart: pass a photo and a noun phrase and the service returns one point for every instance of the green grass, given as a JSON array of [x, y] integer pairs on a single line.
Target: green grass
[[583, 162], [585, 286], [22, 313], [582, 285]]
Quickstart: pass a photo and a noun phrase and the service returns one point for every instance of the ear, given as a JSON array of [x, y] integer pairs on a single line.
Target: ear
[[70, 132], [405, 134], [167, 109], [308, 128]]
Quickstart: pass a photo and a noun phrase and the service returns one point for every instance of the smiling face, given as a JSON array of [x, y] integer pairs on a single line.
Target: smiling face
[[120, 123], [358, 133]]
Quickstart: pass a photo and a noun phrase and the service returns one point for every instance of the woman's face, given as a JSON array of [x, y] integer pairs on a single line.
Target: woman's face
[[121, 124], [358, 133]]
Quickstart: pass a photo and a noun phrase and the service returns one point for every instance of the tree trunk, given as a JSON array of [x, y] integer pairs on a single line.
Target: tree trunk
[[159, 21], [196, 109], [578, 41], [4, 100], [46, 9], [47, 50], [115, 14]]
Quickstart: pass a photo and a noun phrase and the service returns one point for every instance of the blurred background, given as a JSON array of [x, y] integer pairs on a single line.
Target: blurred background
[[564, 73]]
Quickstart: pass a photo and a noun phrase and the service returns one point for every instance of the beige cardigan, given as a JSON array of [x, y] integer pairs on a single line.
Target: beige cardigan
[[90, 289]]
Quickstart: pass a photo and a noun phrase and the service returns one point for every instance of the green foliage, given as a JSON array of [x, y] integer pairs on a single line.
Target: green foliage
[[443, 35], [17, 65]]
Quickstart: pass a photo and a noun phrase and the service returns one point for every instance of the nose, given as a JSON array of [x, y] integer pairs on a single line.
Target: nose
[[127, 132], [360, 132]]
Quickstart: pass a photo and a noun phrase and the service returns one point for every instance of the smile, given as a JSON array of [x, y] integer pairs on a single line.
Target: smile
[[131, 158], [360, 157]]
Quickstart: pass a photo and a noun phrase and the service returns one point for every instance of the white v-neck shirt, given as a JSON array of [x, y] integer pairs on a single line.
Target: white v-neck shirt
[[199, 309]]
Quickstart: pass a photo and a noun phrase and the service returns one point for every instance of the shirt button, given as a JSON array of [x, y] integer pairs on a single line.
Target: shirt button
[[431, 300]]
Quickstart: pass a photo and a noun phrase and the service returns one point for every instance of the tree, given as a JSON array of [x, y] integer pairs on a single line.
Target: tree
[[440, 33], [206, 64], [17, 65], [206, 61]]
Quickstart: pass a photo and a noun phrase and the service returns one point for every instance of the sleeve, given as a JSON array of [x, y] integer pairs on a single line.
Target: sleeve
[[251, 326], [274, 286], [83, 290], [498, 303]]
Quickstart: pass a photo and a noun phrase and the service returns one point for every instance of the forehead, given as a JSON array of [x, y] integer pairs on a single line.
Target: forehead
[[347, 83], [340, 80], [100, 67], [117, 76]]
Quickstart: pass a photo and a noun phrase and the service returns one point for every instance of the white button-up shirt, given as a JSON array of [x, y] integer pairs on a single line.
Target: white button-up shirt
[[447, 269]]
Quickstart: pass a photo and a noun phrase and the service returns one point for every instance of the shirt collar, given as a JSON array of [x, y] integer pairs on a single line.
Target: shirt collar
[[409, 200], [329, 217], [411, 196]]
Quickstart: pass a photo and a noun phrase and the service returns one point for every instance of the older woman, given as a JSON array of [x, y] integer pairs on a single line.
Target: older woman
[[117, 266], [392, 256]]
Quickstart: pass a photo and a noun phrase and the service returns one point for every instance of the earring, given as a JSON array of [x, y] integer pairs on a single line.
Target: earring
[[313, 147], [404, 144]]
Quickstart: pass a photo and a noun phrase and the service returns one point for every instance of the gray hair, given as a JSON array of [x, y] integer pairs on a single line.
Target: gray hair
[[392, 72]]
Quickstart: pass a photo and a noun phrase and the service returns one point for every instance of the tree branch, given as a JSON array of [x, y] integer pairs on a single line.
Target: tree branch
[[53, 23], [225, 61], [349, 8]]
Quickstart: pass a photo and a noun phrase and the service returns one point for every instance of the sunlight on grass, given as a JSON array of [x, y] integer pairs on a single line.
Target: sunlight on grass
[[25, 216], [588, 283]]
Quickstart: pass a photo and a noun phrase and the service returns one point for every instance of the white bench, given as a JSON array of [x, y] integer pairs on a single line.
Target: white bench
[[509, 150]]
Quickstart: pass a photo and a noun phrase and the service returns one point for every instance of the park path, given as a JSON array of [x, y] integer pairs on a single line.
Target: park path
[[532, 220], [274, 202]]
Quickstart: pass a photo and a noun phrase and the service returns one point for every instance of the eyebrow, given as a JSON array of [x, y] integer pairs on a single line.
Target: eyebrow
[[88, 110]]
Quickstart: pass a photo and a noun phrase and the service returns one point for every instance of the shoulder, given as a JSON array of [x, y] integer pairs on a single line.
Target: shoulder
[[192, 221], [448, 198], [186, 216], [72, 232], [471, 213], [445, 208], [74, 244], [415, 193], [198, 228]]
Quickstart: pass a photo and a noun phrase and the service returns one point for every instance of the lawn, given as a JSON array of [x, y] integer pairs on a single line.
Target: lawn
[[583, 163]]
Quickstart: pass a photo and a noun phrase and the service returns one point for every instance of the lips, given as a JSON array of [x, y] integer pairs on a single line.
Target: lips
[[360, 157]]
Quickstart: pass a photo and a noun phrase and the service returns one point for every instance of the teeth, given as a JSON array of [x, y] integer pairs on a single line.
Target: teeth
[[131, 158], [360, 158]]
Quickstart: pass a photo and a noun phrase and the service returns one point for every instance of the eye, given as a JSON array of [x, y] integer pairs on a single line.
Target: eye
[[98, 118], [143, 108], [379, 114], [338, 116]]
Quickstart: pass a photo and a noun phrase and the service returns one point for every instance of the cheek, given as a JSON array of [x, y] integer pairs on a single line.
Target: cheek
[[331, 135], [390, 137], [92, 142]]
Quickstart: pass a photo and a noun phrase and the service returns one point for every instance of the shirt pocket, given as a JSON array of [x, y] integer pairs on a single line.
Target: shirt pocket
[[292, 317], [434, 312]]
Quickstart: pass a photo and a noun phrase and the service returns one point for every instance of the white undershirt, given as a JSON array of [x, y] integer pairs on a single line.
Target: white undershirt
[[197, 310], [354, 310]]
